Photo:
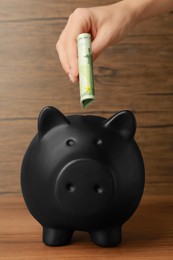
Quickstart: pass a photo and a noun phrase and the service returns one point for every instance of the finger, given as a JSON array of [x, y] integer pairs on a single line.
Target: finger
[[100, 42], [67, 51], [69, 58], [62, 56], [73, 29], [72, 55], [77, 23]]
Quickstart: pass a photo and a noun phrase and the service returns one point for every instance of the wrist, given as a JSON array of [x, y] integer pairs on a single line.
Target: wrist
[[129, 10]]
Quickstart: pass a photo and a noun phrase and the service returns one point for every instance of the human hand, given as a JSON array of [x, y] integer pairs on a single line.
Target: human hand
[[107, 26]]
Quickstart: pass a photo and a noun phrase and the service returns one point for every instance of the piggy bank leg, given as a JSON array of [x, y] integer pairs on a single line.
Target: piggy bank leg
[[107, 237], [56, 237]]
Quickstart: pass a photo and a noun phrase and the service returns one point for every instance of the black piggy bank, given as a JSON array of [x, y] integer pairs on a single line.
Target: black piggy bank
[[83, 173]]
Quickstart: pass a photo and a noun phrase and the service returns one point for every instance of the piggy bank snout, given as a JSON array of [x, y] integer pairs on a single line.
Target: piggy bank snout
[[84, 187]]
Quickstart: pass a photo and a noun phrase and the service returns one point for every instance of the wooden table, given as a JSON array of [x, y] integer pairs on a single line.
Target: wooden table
[[147, 235]]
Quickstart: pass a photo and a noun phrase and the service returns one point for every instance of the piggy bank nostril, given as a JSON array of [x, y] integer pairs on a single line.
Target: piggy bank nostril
[[99, 141], [70, 142], [98, 188], [70, 187]]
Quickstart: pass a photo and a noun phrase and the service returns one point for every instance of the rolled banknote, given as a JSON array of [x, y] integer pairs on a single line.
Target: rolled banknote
[[86, 79]]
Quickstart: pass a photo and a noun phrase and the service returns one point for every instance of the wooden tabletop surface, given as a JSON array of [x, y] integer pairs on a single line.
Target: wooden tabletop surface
[[147, 235]]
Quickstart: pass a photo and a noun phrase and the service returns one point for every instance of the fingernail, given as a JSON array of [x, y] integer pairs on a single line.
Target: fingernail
[[71, 77]]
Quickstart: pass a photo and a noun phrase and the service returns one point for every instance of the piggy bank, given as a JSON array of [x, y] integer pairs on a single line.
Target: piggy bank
[[83, 173]]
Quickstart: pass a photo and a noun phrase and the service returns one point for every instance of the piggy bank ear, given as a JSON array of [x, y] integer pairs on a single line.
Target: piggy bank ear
[[123, 123], [48, 118]]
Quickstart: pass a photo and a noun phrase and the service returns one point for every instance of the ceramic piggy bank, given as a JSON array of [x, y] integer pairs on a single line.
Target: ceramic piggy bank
[[83, 173]]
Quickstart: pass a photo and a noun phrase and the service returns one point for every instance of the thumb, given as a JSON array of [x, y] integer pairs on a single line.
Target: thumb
[[100, 42]]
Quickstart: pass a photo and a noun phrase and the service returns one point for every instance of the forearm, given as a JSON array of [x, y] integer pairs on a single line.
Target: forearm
[[145, 9]]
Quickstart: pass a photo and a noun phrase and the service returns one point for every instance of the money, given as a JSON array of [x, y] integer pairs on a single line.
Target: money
[[86, 79]]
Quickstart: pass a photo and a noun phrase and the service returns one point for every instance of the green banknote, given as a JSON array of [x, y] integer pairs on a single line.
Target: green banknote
[[86, 79]]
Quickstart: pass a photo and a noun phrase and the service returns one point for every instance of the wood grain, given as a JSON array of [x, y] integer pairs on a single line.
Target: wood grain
[[136, 74], [159, 177], [147, 235]]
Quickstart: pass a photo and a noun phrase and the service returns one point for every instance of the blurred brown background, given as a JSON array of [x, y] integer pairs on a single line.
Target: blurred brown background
[[136, 74]]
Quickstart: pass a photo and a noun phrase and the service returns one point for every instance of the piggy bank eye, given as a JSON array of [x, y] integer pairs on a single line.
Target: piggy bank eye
[[99, 141], [70, 142]]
